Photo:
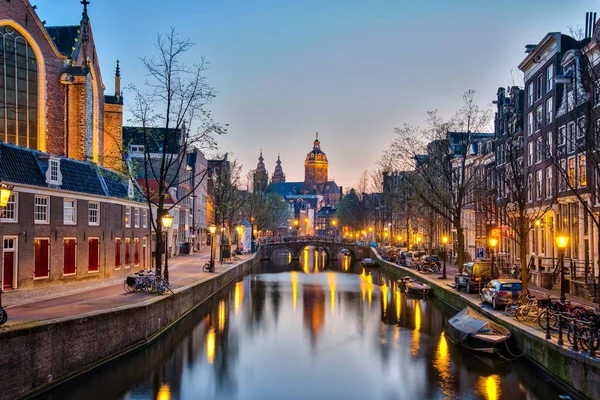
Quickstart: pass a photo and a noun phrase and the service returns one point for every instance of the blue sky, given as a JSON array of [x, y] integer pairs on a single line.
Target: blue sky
[[351, 70]]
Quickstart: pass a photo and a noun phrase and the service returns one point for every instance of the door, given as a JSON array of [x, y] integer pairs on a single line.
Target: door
[[8, 273]]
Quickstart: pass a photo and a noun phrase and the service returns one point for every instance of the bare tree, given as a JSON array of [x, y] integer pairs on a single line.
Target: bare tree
[[172, 117]]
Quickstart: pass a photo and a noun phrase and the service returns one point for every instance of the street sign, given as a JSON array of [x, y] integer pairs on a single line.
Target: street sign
[[480, 253]]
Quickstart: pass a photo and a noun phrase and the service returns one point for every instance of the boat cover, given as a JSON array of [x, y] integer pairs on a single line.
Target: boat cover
[[469, 322]]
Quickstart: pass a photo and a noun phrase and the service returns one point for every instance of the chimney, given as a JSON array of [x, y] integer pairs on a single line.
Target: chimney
[[118, 82], [530, 47]]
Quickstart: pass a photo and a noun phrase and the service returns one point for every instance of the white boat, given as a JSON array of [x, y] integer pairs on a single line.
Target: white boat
[[369, 262], [416, 287]]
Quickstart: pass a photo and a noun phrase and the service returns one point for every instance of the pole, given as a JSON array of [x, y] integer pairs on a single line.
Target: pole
[[444, 268], [212, 252], [166, 273], [560, 330], [562, 276]]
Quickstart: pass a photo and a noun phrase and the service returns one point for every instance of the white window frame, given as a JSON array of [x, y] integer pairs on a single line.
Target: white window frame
[[549, 148], [562, 135], [596, 98], [127, 216], [529, 123], [539, 149], [539, 86], [53, 174], [549, 110], [549, 78], [136, 217], [575, 180], [530, 153], [144, 218], [539, 117], [571, 128], [563, 176], [581, 127], [11, 207], [530, 94], [529, 188], [46, 209], [549, 185], [73, 208], [97, 210], [578, 167], [539, 183]]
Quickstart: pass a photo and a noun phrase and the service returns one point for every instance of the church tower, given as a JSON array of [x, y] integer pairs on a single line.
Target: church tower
[[278, 175], [315, 166], [261, 178]]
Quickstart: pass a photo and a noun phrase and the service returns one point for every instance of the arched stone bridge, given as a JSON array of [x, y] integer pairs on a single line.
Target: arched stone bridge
[[331, 247]]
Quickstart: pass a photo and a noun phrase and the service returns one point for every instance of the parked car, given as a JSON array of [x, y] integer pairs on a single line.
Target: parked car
[[499, 292], [413, 258], [474, 274]]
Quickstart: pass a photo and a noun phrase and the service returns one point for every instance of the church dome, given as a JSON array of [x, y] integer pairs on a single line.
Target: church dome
[[316, 155]]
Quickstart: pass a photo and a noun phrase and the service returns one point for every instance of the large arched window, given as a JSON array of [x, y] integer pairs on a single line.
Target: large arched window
[[18, 90]]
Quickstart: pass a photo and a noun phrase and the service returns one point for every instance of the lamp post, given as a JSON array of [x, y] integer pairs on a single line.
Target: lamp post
[[5, 193], [167, 221], [296, 225], [252, 228], [444, 241], [399, 241], [561, 242], [334, 224], [390, 232], [493, 244], [212, 229]]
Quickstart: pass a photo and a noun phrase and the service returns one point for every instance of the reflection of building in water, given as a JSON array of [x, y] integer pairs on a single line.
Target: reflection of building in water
[[313, 300]]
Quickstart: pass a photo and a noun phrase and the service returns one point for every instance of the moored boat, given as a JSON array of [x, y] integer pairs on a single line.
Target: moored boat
[[475, 332], [369, 262], [416, 287]]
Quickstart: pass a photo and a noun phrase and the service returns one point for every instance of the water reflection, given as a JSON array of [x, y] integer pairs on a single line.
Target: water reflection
[[273, 335]]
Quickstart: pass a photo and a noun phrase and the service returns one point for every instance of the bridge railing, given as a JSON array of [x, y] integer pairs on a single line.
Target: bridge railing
[[304, 239]]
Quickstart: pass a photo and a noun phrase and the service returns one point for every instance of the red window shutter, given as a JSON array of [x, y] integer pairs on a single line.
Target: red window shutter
[[117, 253], [69, 256], [93, 254], [136, 251], [127, 252], [37, 269], [44, 257]]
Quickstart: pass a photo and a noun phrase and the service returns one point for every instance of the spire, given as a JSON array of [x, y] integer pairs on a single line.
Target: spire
[[118, 81], [316, 143], [261, 157], [84, 30]]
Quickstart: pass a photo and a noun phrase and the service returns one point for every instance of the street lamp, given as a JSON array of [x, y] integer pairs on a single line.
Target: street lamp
[[493, 244], [419, 238], [561, 242], [252, 228], [334, 224], [444, 241], [5, 193], [167, 221], [399, 240], [212, 229]]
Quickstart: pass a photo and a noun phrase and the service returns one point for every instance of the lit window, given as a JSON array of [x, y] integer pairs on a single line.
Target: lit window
[[94, 213], [571, 172], [127, 217], [41, 207], [70, 212], [11, 211], [582, 171], [137, 217]]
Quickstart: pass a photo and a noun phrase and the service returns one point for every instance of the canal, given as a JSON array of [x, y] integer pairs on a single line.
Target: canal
[[309, 330]]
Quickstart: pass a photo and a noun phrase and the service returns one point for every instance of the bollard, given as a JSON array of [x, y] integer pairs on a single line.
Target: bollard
[[575, 337], [548, 323], [560, 332]]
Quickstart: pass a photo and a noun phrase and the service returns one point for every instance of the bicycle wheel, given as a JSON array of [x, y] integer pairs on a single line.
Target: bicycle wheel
[[511, 308], [3, 315], [552, 318], [522, 312], [533, 314]]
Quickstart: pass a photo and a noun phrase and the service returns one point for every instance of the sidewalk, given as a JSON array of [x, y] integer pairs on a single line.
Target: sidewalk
[[75, 298]]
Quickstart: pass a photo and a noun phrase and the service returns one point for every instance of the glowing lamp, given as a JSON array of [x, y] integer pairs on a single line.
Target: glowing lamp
[[562, 241], [5, 192], [493, 242], [444, 239], [212, 229], [167, 221]]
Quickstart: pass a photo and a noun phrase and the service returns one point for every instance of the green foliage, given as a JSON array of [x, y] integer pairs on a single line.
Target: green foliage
[[270, 211], [350, 211]]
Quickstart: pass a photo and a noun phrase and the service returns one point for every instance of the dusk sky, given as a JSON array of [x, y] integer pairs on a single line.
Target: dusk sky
[[351, 70]]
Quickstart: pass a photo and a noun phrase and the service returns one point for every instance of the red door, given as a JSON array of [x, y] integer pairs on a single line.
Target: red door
[[93, 245], [7, 276], [69, 256]]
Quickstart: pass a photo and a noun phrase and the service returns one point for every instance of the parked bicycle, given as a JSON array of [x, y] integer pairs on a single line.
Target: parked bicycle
[[146, 281]]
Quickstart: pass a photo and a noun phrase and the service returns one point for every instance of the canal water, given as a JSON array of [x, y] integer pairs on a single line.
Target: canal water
[[309, 330]]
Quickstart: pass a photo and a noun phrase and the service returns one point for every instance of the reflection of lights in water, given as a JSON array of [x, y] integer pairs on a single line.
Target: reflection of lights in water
[[442, 364], [489, 387], [370, 288], [305, 261], [289, 257], [331, 280], [346, 263], [414, 347], [384, 297], [164, 392], [323, 255], [294, 276], [363, 284], [398, 304], [210, 346], [221, 316], [238, 296]]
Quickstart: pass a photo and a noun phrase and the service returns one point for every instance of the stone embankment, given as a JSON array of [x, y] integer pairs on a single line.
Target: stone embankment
[[38, 355], [576, 372]]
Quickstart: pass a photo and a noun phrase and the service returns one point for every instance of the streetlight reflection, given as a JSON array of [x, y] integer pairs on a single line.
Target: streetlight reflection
[[294, 276], [210, 346], [489, 387], [238, 296], [164, 392], [442, 364], [332, 282], [414, 348], [221, 316]]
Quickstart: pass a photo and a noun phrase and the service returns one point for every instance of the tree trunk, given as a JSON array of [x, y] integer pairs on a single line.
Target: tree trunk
[[524, 272], [460, 245], [159, 249]]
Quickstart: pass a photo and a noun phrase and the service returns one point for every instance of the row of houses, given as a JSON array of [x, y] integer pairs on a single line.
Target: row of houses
[[76, 211], [536, 176]]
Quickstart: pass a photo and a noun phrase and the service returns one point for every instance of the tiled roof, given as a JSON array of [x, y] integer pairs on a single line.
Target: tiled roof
[[80, 177], [155, 137], [18, 165], [64, 37], [152, 191], [286, 188], [116, 184]]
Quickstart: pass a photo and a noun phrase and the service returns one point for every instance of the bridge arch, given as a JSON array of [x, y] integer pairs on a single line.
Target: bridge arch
[[316, 245]]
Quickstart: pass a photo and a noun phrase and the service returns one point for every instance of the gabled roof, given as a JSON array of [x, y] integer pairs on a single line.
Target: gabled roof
[[286, 188], [18, 165], [64, 37], [81, 177], [151, 191]]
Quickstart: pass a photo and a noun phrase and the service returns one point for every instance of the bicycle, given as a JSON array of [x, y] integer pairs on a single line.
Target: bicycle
[[513, 305], [528, 312]]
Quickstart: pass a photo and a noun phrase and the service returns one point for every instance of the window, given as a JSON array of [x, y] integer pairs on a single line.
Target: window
[[134, 148], [529, 188], [549, 145], [539, 89], [539, 115], [128, 217], [136, 218], [549, 78], [530, 94], [41, 212], [93, 254], [54, 168], [530, 153], [11, 211], [549, 111], [597, 93], [70, 215], [582, 173], [70, 256], [19, 91], [581, 127], [127, 252], [117, 253], [144, 218], [94, 213], [548, 182], [136, 251], [571, 172], [538, 149], [41, 250], [563, 171], [529, 123], [562, 135], [571, 137], [539, 180]]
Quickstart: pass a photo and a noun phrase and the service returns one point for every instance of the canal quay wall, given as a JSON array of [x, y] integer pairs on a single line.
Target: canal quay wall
[[39, 355], [577, 373]]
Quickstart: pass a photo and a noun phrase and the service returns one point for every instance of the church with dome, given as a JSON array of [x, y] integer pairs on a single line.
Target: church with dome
[[316, 187]]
